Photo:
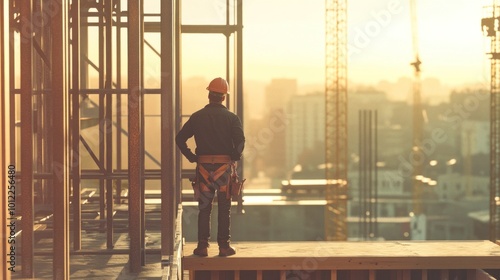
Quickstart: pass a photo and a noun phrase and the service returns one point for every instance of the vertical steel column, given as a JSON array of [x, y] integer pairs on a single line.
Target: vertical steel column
[[118, 101], [360, 171], [239, 82], [361, 183], [418, 120], [142, 139], [26, 138], [41, 101], [375, 160], [227, 34], [84, 48], [134, 139], [168, 208], [102, 108], [12, 82], [75, 125], [108, 17], [5, 144], [370, 174], [367, 174], [178, 99], [60, 141], [239, 61]]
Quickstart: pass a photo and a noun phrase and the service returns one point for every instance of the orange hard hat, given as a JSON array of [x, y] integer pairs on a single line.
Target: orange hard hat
[[219, 85]]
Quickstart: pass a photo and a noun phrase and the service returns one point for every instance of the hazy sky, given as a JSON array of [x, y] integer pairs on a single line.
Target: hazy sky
[[285, 38]]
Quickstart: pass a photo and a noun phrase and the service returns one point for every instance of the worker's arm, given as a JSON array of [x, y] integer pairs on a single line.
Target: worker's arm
[[184, 134]]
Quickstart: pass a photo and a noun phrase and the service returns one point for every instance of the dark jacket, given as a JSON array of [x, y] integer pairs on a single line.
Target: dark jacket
[[216, 131]]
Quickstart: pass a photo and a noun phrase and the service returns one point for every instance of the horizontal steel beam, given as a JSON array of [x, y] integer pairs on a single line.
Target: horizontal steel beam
[[188, 28], [99, 252]]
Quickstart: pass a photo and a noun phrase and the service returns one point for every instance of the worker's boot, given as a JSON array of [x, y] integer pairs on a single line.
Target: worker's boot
[[201, 250], [226, 251]]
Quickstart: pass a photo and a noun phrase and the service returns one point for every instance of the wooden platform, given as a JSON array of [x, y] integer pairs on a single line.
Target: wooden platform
[[408, 258]]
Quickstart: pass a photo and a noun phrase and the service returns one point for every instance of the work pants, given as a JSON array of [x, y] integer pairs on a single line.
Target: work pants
[[224, 218]]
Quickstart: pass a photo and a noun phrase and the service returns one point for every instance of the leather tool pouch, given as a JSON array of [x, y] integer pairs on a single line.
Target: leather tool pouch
[[196, 187], [235, 184]]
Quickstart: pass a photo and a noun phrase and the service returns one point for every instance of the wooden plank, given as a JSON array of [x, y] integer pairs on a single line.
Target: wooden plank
[[259, 274], [236, 275], [372, 274], [418, 255], [282, 275], [333, 274]]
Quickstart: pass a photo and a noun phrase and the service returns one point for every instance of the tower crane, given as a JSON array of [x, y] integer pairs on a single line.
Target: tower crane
[[418, 217], [336, 120], [489, 25]]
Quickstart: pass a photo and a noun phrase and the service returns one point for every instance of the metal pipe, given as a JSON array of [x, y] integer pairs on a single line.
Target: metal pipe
[[369, 172], [134, 157], [142, 139], [103, 252], [101, 106], [360, 171], [5, 196], [84, 35], [239, 83], [108, 17], [39, 79], [26, 138], [60, 141], [150, 174], [167, 120], [178, 99], [75, 126], [12, 101], [118, 100], [375, 144], [228, 76], [363, 173]]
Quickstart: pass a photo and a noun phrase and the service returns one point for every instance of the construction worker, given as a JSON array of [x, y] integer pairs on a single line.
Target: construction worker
[[220, 140]]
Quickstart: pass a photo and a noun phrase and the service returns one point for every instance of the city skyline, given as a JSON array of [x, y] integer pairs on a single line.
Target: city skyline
[[289, 42]]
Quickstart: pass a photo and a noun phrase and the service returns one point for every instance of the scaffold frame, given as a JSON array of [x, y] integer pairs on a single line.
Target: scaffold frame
[[46, 91]]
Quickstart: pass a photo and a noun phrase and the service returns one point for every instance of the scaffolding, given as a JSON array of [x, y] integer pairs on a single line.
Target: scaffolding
[[76, 87]]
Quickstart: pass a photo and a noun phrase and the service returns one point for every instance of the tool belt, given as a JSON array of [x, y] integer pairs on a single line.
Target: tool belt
[[217, 172], [214, 159]]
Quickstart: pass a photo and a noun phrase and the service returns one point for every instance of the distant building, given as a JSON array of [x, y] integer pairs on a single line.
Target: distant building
[[306, 129], [475, 137], [369, 99], [455, 186], [392, 131], [279, 92]]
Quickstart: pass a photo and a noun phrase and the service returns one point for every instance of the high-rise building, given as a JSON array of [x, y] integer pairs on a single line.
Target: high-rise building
[[306, 130], [278, 92]]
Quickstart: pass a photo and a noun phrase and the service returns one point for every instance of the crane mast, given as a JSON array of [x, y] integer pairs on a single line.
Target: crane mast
[[417, 113], [336, 120], [418, 216], [489, 26]]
